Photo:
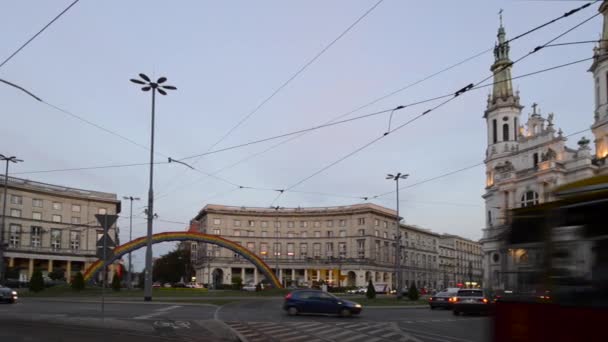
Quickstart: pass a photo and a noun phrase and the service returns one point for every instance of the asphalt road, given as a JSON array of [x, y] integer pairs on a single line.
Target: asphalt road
[[250, 320]]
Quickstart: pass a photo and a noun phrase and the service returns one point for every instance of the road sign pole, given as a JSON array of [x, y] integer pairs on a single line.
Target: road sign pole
[[104, 270], [106, 221]]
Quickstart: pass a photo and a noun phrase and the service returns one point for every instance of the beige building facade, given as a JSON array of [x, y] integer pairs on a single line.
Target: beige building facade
[[342, 246], [51, 227], [467, 260]]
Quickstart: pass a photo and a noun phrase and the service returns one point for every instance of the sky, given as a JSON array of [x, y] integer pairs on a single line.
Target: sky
[[227, 57]]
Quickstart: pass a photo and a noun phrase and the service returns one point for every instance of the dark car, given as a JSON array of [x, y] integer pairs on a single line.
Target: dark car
[[442, 300], [7, 295], [318, 302], [471, 301]]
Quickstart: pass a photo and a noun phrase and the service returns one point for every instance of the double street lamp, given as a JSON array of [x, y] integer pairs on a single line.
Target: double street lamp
[[161, 89], [398, 274], [129, 276], [8, 160]]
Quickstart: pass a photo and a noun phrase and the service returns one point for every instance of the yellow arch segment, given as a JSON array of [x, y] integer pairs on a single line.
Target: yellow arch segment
[[186, 236]]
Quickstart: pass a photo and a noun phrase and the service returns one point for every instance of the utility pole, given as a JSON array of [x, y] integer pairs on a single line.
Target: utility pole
[[398, 275], [129, 277], [8, 160], [161, 89]]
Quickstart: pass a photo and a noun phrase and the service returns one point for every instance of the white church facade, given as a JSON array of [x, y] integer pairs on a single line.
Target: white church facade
[[526, 160]]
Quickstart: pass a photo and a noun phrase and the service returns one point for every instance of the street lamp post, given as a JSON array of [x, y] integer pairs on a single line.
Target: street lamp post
[[276, 243], [8, 160], [161, 89], [129, 276], [398, 275]]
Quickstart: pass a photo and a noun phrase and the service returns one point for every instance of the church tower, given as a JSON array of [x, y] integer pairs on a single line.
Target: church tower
[[599, 68], [502, 117], [503, 109]]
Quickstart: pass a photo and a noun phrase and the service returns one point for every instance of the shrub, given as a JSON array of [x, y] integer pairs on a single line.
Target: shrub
[[258, 287], [413, 293], [371, 290], [57, 274], [116, 282], [237, 282], [36, 282], [78, 282]]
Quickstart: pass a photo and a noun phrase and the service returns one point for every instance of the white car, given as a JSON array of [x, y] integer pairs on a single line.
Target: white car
[[194, 286], [249, 287]]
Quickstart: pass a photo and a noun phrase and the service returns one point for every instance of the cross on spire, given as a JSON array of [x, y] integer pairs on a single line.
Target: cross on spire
[[500, 16], [534, 105]]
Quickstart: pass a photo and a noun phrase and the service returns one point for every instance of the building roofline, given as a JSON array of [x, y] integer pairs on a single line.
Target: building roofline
[[420, 229], [58, 190], [300, 211]]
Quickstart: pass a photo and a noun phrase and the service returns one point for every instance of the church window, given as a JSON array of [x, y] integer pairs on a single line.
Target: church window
[[505, 132], [535, 159], [494, 132], [515, 129], [489, 218], [597, 92], [529, 198]]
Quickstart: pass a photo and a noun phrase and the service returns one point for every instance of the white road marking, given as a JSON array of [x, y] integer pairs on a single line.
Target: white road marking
[[158, 312]]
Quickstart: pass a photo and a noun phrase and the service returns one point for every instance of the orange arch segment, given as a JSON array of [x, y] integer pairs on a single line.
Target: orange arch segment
[[186, 236]]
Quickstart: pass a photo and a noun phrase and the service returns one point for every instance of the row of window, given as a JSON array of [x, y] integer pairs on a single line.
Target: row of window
[[35, 237], [291, 234], [54, 217], [303, 224], [38, 203]]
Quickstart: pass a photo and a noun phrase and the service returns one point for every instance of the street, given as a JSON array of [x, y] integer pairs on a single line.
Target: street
[[247, 320]]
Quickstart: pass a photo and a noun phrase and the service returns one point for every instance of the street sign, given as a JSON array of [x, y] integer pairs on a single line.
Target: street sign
[[106, 221]]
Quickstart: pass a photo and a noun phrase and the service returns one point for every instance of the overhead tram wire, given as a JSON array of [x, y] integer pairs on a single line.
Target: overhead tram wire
[[291, 78], [38, 33], [392, 93], [267, 139], [454, 96], [410, 104], [449, 173]]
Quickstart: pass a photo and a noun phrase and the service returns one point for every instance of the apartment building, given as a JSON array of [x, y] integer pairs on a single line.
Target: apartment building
[[342, 246], [468, 256], [447, 263], [51, 227]]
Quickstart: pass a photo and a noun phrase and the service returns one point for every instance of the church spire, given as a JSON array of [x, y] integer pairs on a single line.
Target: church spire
[[501, 68]]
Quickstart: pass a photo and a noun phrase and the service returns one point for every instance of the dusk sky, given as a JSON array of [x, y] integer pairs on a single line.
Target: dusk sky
[[227, 57]]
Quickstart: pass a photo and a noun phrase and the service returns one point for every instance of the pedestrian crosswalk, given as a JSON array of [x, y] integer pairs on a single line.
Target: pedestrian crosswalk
[[318, 331]]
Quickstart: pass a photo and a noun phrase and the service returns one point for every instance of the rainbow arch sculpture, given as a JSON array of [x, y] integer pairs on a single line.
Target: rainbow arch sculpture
[[121, 250]]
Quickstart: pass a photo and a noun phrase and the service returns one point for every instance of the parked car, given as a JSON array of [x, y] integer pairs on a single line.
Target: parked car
[[156, 285], [179, 285], [167, 285], [471, 301], [194, 286], [250, 287], [319, 302], [8, 295], [441, 300], [360, 290]]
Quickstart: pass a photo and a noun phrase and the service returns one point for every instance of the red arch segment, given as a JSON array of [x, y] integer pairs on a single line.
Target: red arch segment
[[186, 236]]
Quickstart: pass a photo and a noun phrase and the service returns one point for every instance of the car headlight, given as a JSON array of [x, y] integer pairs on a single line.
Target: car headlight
[[357, 305], [14, 293]]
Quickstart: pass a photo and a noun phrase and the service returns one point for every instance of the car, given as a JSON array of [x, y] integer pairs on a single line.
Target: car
[[156, 285], [194, 286], [319, 302], [441, 300], [8, 295], [471, 301], [179, 285], [250, 287], [167, 285]]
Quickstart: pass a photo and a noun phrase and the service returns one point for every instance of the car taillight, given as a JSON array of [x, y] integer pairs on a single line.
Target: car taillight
[[453, 299], [430, 299], [485, 300], [288, 296]]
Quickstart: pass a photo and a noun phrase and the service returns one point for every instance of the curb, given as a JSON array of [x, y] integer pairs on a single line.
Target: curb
[[396, 307], [92, 301]]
